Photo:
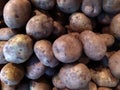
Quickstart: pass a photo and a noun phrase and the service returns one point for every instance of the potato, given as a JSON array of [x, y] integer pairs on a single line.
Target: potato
[[104, 88], [11, 74], [2, 58], [91, 8], [79, 22], [114, 64], [2, 3], [57, 82], [34, 68], [67, 48], [104, 78], [68, 6], [16, 13], [108, 39], [18, 49], [109, 54], [6, 33], [75, 76], [111, 6], [43, 50], [44, 4], [39, 26], [94, 46], [115, 25]]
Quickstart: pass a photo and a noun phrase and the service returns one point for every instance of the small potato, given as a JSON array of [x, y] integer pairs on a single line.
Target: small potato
[[104, 78], [91, 8], [68, 6], [115, 25], [111, 6], [104, 88], [108, 39], [67, 48], [75, 76], [2, 4], [11, 74], [16, 13], [94, 46], [39, 26], [18, 49], [79, 22], [114, 64], [44, 4], [43, 50], [34, 68], [6, 33]]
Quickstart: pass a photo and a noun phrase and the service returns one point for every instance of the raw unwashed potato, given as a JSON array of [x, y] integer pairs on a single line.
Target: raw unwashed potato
[[68, 6], [115, 25], [44, 4], [11, 74], [76, 35], [75, 76], [39, 26], [2, 58], [114, 64], [34, 68], [109, 54], [43, 50], [94, 46], [108, 39], [2, 3], [6, 33], [67, 48], [79, 22], [18, 49], [104, 78], [16, 13], [111, 6], [104, 88], [91, 8]]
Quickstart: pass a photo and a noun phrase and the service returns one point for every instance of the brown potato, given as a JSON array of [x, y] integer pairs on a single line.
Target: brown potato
[[109, 54], [104, 78], [114, 64], [91, 8], [79, 22], [75, 76], [16, 13], [94, 46], [39, 26], [34, 68], [68, 6], [104, 88], [6, 33], [11, 74], [18, 49], [67, 48], [43, 50]]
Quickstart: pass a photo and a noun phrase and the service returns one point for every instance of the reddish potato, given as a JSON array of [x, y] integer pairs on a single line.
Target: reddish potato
[[104, 88]]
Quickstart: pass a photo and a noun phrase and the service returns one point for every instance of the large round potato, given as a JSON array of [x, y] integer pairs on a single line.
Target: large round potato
[[16, 13], [67, 48], [18, 49], [11, 74]]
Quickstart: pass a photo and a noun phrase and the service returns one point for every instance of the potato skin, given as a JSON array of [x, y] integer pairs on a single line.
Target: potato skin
[[18, 49], [67, 48], [94, 46], [104, 88], [75, 76], [68, 6], [11, 74], [39, 26], [79, 22], [34, 68], [43, 50], [16, 13]]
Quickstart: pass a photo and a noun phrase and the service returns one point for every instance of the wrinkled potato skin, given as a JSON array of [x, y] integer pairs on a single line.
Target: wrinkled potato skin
[[79, 22], [18, 49], [76, 76], [11, 74], [16, 13], [111, 6], [67, 48], [94, 46], [104, 88], [91, 8]]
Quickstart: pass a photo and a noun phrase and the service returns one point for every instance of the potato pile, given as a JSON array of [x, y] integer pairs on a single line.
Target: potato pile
[[59, 44]]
